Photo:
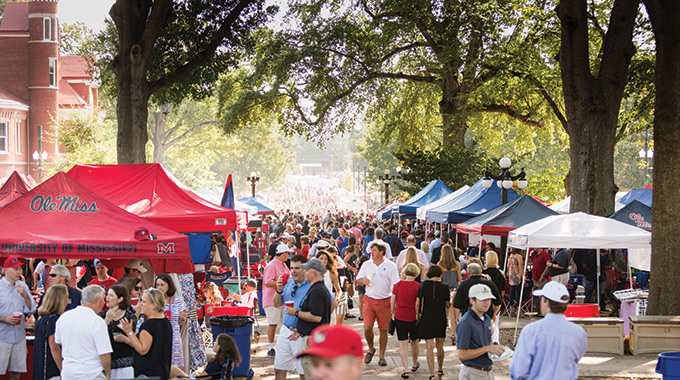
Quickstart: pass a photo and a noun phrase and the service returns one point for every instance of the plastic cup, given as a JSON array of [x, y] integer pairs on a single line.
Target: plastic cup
[[168, 314], [134, 301], [284, 278], [17, 314], [289, 304]]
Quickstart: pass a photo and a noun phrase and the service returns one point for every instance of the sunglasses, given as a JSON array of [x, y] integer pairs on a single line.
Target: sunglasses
[[138, 288], [53, 275]]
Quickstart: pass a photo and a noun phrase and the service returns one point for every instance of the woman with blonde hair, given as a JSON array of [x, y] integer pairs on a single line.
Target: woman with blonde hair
[[425, 247], [452, 278], [404, 295], [412, 258], [491, 270], [153, 342], [211, 294], [46, 352]]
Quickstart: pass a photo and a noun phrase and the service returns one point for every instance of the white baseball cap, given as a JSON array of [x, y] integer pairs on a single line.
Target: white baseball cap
[[480, 292], [282, 248], [553, 291]]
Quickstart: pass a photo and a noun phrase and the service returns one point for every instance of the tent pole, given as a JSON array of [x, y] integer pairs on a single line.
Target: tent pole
[[598, 278], [399, 229], [630, 272], [521, 296]]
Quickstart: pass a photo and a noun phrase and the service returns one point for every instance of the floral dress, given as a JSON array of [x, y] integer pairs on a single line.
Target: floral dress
[[196, 351], [176, 307]]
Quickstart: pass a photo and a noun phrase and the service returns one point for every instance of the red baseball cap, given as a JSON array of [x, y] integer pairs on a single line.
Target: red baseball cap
[[330, 342], [12, 262]]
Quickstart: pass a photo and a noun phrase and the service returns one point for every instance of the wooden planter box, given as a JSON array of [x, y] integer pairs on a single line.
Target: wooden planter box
[[652, 334], [605, 335]]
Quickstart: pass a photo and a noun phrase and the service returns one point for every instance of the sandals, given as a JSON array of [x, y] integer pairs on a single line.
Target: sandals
[[405, 375], [440, 373], [415, 367], [432, 377]]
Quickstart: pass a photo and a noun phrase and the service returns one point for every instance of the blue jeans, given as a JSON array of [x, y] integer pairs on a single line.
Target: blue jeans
[[591, 291], [514, 294]]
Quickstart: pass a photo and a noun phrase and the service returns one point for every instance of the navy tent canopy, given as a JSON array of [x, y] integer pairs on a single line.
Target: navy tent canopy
[[636, 214], [263, 207], [433, 191], [475, 201], [507, 217], [643, 196]]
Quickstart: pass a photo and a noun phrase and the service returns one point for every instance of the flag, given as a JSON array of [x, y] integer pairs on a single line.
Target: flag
[[228, 196]]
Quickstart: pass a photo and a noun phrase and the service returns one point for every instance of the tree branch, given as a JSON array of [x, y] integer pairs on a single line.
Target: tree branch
[[204, 55], [158, 17], [191, 130], [401, 49], [509, 111]]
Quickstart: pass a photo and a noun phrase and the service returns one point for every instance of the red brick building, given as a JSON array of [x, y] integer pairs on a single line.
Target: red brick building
[[38, 87]]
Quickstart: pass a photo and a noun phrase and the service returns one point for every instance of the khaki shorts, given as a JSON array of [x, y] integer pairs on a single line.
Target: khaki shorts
[[13, 357], [468, 373], [274, 315]]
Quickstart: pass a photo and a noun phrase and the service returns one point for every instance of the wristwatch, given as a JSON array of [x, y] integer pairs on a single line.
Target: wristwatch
[[297, 312]]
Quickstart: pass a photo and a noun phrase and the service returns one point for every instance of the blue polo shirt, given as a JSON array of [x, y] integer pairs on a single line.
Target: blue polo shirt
[[472, 333], [300, 291]]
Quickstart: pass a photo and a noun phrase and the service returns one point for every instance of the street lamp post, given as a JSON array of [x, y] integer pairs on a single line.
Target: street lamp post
[[504, 180], [387, 179], [39, 157], [253, 181], [646, 154]]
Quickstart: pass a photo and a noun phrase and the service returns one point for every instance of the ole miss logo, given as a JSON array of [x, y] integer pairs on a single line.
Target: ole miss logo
[[165, 248]]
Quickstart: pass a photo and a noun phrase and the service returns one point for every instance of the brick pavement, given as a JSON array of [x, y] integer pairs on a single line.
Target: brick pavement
[[591, 367]]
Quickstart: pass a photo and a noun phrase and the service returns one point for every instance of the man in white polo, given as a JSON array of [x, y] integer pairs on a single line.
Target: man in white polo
[[83, 339], [379, 275]]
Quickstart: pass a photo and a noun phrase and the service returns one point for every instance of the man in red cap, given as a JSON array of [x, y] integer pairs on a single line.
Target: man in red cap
[[15, 301], [336, 353]]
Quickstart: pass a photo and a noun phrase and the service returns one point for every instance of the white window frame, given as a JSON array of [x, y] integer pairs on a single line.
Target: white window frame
[[47, 29], [17, 137], [52, 72], [3, 137]]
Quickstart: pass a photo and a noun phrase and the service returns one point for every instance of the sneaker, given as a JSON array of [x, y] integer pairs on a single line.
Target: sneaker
[[271, 353]]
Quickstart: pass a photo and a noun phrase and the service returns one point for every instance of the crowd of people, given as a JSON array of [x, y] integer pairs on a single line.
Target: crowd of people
[[411, 284]]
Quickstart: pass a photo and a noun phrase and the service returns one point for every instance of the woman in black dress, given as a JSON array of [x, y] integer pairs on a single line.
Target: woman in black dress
[[53, 305], [432, 303], [153, 343]]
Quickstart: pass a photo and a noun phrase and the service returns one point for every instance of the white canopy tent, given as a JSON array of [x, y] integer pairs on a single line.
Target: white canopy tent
[[580, 230], [564, 206], [420, 211]]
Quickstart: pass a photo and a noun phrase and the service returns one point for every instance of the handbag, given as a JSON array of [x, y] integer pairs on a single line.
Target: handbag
[[392, 326], [420, 310]]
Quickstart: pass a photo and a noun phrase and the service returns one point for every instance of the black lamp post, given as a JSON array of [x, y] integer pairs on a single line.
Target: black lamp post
[[253, 181], [387, 179], [504, 180]]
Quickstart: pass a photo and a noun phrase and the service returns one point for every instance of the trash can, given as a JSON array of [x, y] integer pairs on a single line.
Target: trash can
[[668, 365], [240, 328]]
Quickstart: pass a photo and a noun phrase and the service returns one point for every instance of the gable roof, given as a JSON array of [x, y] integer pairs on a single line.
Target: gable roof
[[15, 18], [8, 100], [75, 66], [68, 95]]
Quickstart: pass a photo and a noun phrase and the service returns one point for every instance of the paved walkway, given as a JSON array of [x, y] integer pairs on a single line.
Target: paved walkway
[[591, 367]]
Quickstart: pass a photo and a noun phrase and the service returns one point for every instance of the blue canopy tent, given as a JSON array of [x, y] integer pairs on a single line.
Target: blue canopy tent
[[643, 196], [636, 214], [475, 201], [435, 190], [263, 207]]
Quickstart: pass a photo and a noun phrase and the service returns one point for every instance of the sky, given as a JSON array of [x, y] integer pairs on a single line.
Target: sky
[[90, 12]]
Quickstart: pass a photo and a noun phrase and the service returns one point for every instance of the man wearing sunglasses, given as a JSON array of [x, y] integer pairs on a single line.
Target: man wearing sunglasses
[[288, 343], [60, 275]]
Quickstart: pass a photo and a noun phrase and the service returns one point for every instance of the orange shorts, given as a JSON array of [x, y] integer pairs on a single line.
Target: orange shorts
[[377, 309]]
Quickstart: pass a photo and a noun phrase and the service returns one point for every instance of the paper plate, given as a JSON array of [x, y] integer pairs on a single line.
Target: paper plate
[[505, 355]]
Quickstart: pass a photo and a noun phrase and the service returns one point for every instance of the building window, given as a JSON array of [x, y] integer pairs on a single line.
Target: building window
[[47, 29], [53, 72], [3, 137], [17, 136]]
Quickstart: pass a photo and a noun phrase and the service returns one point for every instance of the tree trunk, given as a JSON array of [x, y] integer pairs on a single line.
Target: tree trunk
[[592, 103], [454, 122], [663, 300], [131, 109]]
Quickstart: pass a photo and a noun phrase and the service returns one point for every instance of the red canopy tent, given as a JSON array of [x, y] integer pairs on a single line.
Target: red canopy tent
[[63, 219], [151, 192], [15, 186]]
